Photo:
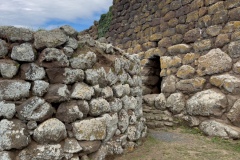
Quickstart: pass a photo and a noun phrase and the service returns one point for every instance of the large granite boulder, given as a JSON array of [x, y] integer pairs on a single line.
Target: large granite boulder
[[31, 71], [234, 113], [57, 93], [176, 103], [219, 129], [207, 103], [82, 91]]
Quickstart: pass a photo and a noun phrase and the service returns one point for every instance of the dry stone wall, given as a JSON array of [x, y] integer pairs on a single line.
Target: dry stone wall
[[197, 45], [66, 96]]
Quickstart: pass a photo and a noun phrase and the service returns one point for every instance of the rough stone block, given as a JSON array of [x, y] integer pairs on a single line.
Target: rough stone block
[[8, 89], [90, 130], [23, 52], [206, 103], [215, 61]]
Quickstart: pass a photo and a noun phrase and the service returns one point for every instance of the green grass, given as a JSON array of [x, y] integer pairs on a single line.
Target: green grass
[[228, 144]]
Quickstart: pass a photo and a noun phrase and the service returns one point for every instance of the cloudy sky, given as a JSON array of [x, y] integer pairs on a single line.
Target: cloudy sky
[[48, 14]]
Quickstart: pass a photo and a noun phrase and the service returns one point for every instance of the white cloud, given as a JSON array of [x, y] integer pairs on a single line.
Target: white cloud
[[35, 13]]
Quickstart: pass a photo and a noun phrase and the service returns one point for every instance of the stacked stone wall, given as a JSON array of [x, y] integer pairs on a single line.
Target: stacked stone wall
[[66, 96], [197, 42]]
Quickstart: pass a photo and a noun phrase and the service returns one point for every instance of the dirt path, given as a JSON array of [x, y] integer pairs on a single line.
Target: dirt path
[[182, 144]]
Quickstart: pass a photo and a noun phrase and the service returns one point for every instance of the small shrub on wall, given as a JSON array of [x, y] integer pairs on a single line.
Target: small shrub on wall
[[104, 23]]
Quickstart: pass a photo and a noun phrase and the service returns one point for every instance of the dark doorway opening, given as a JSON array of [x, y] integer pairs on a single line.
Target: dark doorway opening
[[151, 76]]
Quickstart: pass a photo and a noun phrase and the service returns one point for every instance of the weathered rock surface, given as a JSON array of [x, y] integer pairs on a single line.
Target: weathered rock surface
[[215, 128], [65, 75], [215, 61], [23, 52], [57, 93], [92, 129], [234, 113], [71, 111], [83, 61], [191, 85], [160, 102], [82, 91], [53, 58], [185, 72], [111, 121], [207, 103], [49, 39], [176, 103], [233, 49], [40, 88], [68, 30], [149, 99], [169, 84], [32, 71], [7, 110], [8, 68], [89, 146], [123, 120], [35, 109], [230, 83], [71, 145], [50, 131], [98, 107], [3, 48], [13, 135], [115, 105], [129, 103], [8, 89], [43, 152], [179, 49], [16, 34], [5, 155]]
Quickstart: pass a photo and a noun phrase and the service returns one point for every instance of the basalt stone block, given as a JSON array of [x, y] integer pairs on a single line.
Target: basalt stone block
[[234, 49], [23, 52], [8, 133], [44, 152], [57, 93], [3, 48], [7, 110], [215, 61], [179, 49], [8, 89], [49, 39], [192, 35], [35, 109], [90, 130], [82, 91], [50, 131], [53, 58], [230, 83], [83, 61], [16, 34], [191, 85], [40, 87], [31, 71], [65, 75], [8, 68], [207, 103]]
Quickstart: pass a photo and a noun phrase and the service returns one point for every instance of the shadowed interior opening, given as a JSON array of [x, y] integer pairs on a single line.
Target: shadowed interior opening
[[151, 76]]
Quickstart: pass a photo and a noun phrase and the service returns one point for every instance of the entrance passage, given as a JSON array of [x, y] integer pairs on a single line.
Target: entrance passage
[[151, 76]]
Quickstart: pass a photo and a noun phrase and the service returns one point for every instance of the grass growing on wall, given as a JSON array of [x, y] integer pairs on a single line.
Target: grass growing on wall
[[104, 23]]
